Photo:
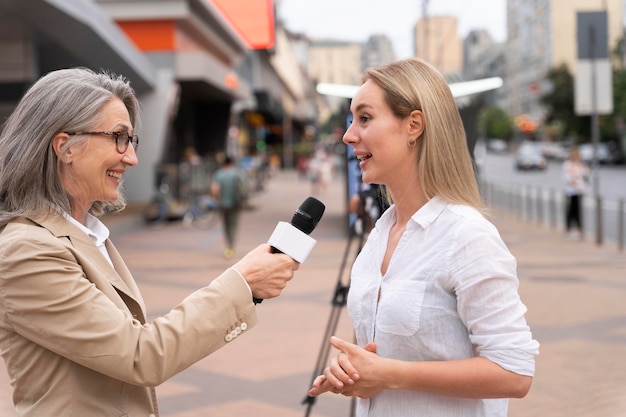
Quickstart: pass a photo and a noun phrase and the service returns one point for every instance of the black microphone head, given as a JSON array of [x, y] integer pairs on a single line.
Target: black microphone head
[[308, 215]]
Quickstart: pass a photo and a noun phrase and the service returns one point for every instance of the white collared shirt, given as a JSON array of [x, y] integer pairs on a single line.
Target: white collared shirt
[[450, 292], [95, 229]]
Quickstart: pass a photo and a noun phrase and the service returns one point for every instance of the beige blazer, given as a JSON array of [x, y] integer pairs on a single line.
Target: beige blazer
[[73, 331]]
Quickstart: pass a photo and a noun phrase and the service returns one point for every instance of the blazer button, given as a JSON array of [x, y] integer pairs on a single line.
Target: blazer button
[[244, 326], [228, 337], [151, 415]]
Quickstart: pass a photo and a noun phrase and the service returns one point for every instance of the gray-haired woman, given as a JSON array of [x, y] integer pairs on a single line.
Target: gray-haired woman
[[73, 330]]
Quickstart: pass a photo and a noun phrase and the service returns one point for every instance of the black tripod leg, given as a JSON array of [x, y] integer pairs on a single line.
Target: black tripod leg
[[338, 302]]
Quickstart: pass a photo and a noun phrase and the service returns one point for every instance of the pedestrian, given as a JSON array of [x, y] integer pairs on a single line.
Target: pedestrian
[[73, 329], [227, 187], [575, 176], [320, 171], [439, 324]]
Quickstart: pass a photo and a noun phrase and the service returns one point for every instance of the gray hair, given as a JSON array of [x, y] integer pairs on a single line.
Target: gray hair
[[66, 100]]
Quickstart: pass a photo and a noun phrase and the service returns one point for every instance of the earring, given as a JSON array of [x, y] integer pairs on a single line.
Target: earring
[[412, 143]]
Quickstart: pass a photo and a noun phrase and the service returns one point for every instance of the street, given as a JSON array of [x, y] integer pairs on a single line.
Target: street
[[574, 292], [538, 195], [501, 168]]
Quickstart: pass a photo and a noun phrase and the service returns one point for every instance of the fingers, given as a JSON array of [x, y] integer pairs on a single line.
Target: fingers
[[266, 273], [370, 347], [348, 368], [341, 344], [320, 385], [342, 376]]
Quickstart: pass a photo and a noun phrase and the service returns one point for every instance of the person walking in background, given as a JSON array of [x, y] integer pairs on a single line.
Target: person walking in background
[[433, 298], [73, 329], [575, 175], [227, 187], [320, 171]]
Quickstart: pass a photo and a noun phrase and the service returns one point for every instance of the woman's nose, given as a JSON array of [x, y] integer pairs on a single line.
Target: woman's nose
[[130, 157], [349, 137]]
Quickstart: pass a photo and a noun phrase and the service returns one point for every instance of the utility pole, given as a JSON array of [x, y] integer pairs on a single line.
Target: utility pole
[[426, 30]]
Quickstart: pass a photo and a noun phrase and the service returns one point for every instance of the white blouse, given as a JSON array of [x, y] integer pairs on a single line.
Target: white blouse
[[450, 292]]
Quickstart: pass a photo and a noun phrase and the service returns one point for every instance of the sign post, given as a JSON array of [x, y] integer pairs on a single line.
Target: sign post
[[593, 87]]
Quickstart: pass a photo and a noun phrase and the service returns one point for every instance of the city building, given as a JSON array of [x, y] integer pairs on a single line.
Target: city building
[[205, 81], [343, 62], [484, 58], [542, 34], [336, 62], [437, 41], [377, 50]]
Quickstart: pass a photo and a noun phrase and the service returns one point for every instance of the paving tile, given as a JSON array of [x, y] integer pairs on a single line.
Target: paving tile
[[574, 292]]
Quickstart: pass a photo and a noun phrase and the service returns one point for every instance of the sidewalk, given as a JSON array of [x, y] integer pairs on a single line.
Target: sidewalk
[[574, 291]]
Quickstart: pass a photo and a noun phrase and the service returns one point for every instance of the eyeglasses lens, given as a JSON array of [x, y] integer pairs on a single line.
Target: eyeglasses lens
[[123, 139]]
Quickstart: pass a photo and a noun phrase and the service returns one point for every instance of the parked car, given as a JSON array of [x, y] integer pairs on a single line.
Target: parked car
[[604, 154], [529, 157], [497, 145], [554, 150]]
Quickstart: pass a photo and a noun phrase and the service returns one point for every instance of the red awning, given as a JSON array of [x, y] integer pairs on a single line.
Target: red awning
[[253, 20]]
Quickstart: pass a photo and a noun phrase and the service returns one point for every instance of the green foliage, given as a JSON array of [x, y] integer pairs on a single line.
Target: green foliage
[[559, 103], [561, 116], [609, 124], [493, 122]]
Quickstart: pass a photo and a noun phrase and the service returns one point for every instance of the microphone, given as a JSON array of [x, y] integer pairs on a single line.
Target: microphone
[[293, 238]]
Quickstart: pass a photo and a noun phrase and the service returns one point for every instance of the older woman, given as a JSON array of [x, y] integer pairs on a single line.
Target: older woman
[[433, 296], [73, 330]]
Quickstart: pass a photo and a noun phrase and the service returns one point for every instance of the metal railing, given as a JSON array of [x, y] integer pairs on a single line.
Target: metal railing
[[601, 218]]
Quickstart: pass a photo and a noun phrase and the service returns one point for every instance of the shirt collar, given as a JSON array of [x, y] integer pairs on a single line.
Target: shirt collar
[[94, 228], [423, 217]]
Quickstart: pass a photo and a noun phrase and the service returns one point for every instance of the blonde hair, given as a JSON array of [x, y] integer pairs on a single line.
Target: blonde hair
[[444, 163]]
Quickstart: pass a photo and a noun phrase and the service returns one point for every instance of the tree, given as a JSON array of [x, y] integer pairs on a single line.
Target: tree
[[559, 103], [495, 123]]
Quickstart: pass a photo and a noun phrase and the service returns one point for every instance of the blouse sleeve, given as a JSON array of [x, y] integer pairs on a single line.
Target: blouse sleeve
[[485, 280]]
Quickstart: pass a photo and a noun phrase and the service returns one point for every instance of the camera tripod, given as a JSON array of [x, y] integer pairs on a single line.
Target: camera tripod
[[338, 302]]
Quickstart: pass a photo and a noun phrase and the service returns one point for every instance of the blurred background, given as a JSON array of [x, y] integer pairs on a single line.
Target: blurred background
[[239, 77]]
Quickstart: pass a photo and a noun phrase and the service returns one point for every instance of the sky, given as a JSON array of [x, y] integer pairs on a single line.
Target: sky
[[356, 20]]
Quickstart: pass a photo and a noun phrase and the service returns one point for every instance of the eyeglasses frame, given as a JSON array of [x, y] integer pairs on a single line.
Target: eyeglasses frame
[[131, 139]]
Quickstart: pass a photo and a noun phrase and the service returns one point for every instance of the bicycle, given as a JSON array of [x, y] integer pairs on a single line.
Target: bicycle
[[201, 213], [160, 207]]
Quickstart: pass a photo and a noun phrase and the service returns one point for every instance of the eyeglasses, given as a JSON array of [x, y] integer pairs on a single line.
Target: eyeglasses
[[122, 139]]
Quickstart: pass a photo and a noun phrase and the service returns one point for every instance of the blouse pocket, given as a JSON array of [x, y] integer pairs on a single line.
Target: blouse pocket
[[358, 299], [400, 307]]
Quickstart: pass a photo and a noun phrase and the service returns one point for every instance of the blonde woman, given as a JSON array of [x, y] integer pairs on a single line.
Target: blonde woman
[[433, 298]]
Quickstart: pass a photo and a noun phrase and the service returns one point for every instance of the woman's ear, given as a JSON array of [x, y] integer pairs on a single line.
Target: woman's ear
[[416, 123], [58, 141]]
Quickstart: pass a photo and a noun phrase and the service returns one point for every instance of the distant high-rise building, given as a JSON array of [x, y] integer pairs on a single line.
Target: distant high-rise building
[[336, 62], [378, 50], [437, 41], [542, 35], [484, 58], [332, 61]]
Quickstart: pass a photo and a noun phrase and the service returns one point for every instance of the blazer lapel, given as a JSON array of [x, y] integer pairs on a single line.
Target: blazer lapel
[[97, 267], [124, 280]]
